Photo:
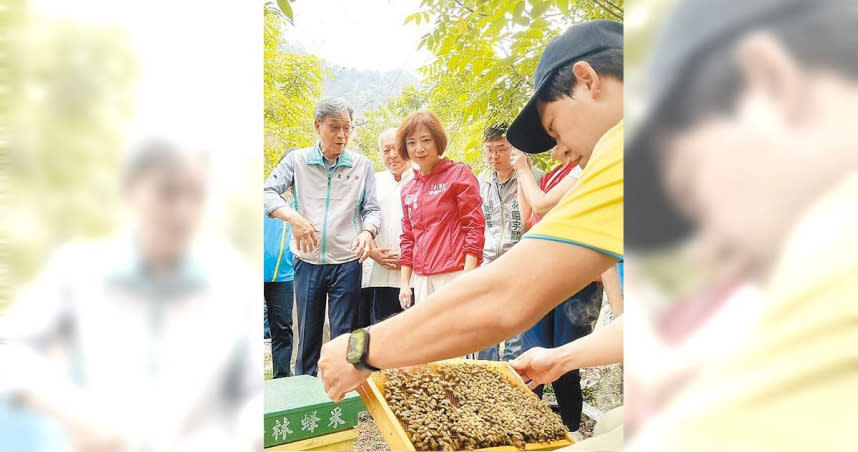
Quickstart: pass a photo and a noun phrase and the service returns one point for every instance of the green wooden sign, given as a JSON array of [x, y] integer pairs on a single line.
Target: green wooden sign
[[298, 408]]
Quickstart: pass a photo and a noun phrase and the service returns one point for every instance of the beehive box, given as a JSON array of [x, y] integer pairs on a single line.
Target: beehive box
[[298, 408], [372, 392]]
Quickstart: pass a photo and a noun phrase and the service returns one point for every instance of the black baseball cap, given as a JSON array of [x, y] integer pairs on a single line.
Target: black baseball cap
[[696, 28], [577, 42]]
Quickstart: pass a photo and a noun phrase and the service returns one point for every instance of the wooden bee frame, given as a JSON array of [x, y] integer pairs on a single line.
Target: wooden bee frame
[[372, 393]]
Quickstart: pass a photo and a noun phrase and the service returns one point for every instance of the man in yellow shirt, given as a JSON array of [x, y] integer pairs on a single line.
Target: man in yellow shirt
[[575, 243]]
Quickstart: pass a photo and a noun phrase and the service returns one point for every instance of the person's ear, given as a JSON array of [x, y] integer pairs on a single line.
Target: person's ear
[[771, 72], [586, 77], [317, 125]]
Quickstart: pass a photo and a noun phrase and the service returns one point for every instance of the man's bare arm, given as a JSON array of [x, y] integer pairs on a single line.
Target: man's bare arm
[[487, 305]]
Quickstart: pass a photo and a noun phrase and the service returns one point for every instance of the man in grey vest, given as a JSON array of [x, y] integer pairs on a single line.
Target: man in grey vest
[[504, 223], [335, 218]]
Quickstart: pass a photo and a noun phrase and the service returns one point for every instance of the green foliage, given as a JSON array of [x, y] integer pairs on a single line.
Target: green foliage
[[386, 116], [281, 7], [364, 89], [485, 55], [292, 85], [68, 97]]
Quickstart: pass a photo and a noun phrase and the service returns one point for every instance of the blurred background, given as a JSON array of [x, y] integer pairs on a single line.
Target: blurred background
[[740, 186], [130, 147], [85, 82]]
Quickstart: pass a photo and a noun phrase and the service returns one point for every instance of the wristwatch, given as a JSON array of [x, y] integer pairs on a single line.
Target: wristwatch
[[372, 232], [358, 349]]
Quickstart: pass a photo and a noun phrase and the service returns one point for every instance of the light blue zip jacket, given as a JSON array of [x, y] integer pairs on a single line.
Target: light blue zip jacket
[[339, 200]]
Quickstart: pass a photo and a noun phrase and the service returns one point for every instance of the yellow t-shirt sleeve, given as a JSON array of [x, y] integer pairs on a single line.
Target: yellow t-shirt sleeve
[[591, 214], [800, 356]]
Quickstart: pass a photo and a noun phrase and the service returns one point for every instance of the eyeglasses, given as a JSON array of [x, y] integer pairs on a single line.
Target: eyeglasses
[[337, 129], [496, 151]]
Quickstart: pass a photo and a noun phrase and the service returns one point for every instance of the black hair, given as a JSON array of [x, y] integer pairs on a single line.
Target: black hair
[[607, 63], [822, 38], [495, 132]]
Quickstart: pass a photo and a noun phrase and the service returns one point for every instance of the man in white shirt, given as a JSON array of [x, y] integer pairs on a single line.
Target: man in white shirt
[[381, 272]]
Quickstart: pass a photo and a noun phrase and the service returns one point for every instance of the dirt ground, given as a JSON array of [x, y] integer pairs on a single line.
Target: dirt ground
[[269, 371], [369, 438]]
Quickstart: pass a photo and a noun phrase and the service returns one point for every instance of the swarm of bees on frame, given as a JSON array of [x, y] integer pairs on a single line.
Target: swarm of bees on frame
[[465, 407]]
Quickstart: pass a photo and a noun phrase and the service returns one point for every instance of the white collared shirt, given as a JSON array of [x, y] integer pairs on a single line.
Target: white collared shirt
[[389, 193]]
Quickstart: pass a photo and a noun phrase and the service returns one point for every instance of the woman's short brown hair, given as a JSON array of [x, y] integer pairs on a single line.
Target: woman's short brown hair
[[428, 119]]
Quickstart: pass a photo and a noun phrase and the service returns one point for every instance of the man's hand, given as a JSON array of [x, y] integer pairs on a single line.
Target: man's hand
[[363, 245], [338, 375], [306, 234], [393, 260], [538, 366], [378, 255], [385, 258], [519, 161], [405, 297]]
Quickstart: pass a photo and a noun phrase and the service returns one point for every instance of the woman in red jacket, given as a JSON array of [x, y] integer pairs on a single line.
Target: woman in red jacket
[[442, 221]]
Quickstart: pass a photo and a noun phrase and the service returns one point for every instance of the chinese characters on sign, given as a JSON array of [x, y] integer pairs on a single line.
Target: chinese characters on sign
[[336, 418], [517, 225], [281, 430], [310, 422]]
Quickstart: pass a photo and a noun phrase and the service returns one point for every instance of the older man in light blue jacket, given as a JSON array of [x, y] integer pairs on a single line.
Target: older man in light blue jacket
[[334, 223]]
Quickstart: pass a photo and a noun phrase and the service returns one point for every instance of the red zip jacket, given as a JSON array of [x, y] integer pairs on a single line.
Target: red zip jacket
[[442, 219]]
